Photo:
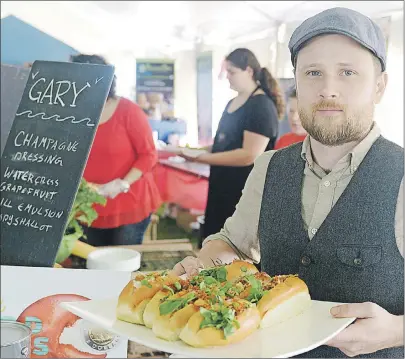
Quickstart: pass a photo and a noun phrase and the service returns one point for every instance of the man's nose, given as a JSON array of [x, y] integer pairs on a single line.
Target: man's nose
[[329, 89]]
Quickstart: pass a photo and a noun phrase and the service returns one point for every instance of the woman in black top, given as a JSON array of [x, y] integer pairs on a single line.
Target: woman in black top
[[248, 127]]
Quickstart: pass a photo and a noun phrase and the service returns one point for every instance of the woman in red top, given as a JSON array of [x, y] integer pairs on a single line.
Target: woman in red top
[[297, 133], [119, 166]]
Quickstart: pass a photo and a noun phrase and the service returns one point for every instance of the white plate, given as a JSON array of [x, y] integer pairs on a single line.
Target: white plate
[[193, 153], [176, 159], [298, 335]]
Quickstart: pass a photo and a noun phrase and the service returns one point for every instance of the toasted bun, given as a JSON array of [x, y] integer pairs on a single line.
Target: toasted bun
[[169, 326], [234, 270], [132, 315], [283, 302], [152, 309], [126, 310], [133, 301], [249, 321]]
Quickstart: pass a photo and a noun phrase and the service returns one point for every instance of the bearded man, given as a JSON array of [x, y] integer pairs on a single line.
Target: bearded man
[[330, 208]]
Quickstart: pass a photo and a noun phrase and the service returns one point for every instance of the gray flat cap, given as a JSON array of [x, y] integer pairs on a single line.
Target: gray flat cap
[[344, 22]]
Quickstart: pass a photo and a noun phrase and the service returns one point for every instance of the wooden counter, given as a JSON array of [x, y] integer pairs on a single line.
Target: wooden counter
[[160, 245]]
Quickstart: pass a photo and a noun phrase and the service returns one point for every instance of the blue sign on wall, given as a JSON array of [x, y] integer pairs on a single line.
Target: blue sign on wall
[[22, 43], [155, 87]]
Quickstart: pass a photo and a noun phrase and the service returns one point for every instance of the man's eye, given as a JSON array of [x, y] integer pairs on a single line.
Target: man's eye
[[348, 72], [313, 73]]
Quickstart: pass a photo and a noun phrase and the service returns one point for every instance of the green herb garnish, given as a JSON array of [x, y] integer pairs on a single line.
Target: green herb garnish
[[226, 289], [169, 289], [177, 285], [223, 319], [171, 305], [218, 273], [243, 269], [146, 283], [210, 280], [256, 291]]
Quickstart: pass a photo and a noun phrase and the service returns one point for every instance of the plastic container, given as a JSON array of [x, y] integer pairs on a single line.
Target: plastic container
[[119, 259], [15, 340]]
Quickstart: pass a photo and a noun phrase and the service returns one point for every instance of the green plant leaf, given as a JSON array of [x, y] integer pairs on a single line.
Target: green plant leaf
[[82, 211]]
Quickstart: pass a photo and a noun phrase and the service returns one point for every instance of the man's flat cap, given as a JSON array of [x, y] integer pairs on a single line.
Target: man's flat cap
[[341, 21]]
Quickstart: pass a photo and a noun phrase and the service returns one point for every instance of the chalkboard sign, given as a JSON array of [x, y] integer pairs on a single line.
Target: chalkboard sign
[[44, 157]]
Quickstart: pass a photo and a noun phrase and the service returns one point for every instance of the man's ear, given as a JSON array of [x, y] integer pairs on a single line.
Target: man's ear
[[295, 81], [381, 85]]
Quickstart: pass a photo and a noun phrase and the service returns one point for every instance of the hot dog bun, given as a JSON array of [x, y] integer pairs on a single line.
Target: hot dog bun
[[239, 268], [169, 326], [152, 308], [248, 321], [169, 314], [284, 301], [135, 296]]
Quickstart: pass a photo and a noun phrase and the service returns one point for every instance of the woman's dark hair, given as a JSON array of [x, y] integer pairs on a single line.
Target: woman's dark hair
[[242, 58], [95, 59]]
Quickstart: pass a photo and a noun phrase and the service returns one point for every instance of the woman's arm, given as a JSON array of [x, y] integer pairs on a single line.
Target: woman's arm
[[133, 175], [253, 146]]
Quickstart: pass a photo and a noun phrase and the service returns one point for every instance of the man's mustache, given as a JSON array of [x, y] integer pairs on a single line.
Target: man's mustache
[[328, 105]]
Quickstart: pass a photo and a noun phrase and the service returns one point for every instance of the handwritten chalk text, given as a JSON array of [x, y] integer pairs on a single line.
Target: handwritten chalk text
[[6, 203], [35, 141], [39, 211], [55, 96], [37, 157], [35, 192], [29, 177], [15, 221]]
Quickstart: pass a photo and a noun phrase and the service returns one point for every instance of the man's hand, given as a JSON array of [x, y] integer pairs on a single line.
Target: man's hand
[[190, 266], [213, 253], [375, 329]]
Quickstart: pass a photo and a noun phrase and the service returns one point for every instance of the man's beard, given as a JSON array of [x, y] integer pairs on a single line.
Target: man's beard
[[340, 129]]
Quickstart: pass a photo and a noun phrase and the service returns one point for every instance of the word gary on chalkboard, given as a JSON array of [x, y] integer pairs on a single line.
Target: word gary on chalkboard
[[44, 157]]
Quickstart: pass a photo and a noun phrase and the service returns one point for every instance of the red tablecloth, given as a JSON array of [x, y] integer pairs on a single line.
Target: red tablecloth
[[184, 188]]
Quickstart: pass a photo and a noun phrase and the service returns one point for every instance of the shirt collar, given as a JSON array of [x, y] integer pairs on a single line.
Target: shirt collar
[[354, 157]]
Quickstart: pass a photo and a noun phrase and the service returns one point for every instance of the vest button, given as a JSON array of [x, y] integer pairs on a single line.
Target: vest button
[[305, 261], [357, 261]]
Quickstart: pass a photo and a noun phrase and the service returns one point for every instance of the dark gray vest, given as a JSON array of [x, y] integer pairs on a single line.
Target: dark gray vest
[[354, 256]]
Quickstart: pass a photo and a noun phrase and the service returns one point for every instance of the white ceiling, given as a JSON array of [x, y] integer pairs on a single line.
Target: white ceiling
[[116, 26]]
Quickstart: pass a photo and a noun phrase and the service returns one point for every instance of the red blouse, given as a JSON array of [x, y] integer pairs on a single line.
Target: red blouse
[[288, 139], [123, 142]]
